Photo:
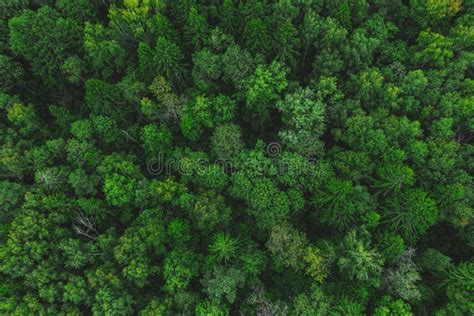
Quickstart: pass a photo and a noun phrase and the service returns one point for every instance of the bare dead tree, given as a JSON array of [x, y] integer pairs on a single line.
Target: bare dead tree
[[265, 307], [408, 255], [85, 226], [401, 280]]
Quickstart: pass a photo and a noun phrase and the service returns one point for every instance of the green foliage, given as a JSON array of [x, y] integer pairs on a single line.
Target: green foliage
[[179, 267], [346, 306], [304, 115], [288, 246], [82, 153], [105, 99], [206, 70], [75, 291], [257, 36], [156, 140], [76, 255], [267, 204], [392, 178], [131, 21], [164, 59], [168, 60], [410, 214], [83, 183], [11, 73], [197, 116], [226, 141], [12, 163], [435, 262], [221, 285], [263, 89], [45, 39], [459, 289], [82, 9], [358, 262], [196, 28], [391, 245], [118, 190], [341, 202], [237, 64], [210, 211], [23, 117], [153, 308], [236, 157], [107, 56], [26, 245], [430, 13], [210, 309], [179, 232], [72, 69], [213, 177], [434, 49], [169, 107], [389, 306], [224, 247], [10, 198], [316, 266], [110, 302], [315, 302], [287, 43]]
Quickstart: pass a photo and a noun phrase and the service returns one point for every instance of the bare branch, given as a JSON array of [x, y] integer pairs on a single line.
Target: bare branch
[[85, 226]]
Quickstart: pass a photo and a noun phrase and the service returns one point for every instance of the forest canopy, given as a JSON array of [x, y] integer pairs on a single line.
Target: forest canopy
[[224, 157]]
